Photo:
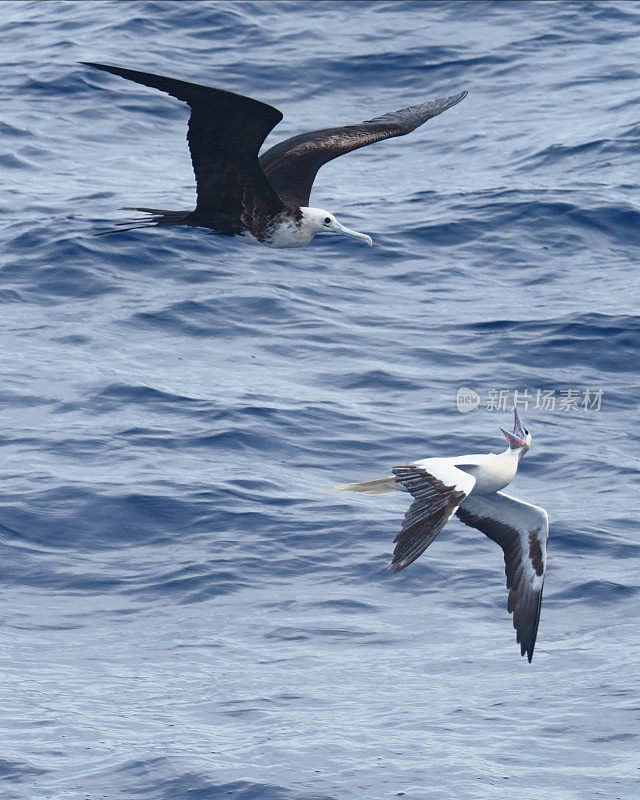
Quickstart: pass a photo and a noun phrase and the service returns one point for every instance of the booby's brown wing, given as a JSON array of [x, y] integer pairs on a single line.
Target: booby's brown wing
[[226, 131], [438, 489], [291, 166], [522, 531]]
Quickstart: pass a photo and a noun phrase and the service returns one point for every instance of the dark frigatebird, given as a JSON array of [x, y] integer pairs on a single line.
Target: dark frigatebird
[[263, 198]]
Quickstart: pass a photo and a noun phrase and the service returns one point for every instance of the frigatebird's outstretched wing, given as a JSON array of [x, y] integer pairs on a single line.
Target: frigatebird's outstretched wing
[[226, 131], [522, 531], [291, 166], [438, 489]]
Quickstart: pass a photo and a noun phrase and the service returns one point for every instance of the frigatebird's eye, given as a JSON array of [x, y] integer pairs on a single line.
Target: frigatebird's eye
[[327, 220], [526, 432]]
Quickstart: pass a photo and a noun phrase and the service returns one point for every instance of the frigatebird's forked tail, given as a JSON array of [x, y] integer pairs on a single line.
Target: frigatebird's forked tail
[[226, 131], [267, 197]]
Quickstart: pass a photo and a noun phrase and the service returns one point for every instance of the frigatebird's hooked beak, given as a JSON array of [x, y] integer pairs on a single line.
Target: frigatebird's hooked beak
[[516, 439], [336, 227]]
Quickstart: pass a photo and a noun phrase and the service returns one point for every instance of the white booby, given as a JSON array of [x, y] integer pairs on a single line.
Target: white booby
[[266, 198], [470, 487]]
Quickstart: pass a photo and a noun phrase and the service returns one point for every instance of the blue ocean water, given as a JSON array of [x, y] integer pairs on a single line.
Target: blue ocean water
[[186, 611]]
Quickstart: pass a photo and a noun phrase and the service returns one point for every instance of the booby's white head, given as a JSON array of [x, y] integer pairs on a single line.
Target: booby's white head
[[520, 439], [317, 220]]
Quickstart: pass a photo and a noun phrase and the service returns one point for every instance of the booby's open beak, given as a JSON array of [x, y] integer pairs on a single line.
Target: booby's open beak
[[336, 227], [518, 437]]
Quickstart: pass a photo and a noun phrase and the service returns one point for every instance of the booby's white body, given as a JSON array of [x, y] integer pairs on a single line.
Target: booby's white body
[[491, 471], [471, 488]]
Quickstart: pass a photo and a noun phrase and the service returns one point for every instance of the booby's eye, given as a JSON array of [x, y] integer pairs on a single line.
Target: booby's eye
[[327, 220]]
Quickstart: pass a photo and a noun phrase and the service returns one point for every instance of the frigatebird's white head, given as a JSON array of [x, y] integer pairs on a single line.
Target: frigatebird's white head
[[317, 220], [520, 439]]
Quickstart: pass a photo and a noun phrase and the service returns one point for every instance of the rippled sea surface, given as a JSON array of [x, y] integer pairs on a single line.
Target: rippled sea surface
[[186, 612]]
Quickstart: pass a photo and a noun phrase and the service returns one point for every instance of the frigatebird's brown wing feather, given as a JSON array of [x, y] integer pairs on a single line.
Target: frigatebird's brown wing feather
[[226, 131], [291, 166]]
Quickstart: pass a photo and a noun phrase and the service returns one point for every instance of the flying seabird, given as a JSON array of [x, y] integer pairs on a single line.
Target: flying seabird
[[470, 487], [266, 198]]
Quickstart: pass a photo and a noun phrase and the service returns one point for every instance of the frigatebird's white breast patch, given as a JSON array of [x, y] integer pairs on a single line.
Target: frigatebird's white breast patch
[[239, 191]]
